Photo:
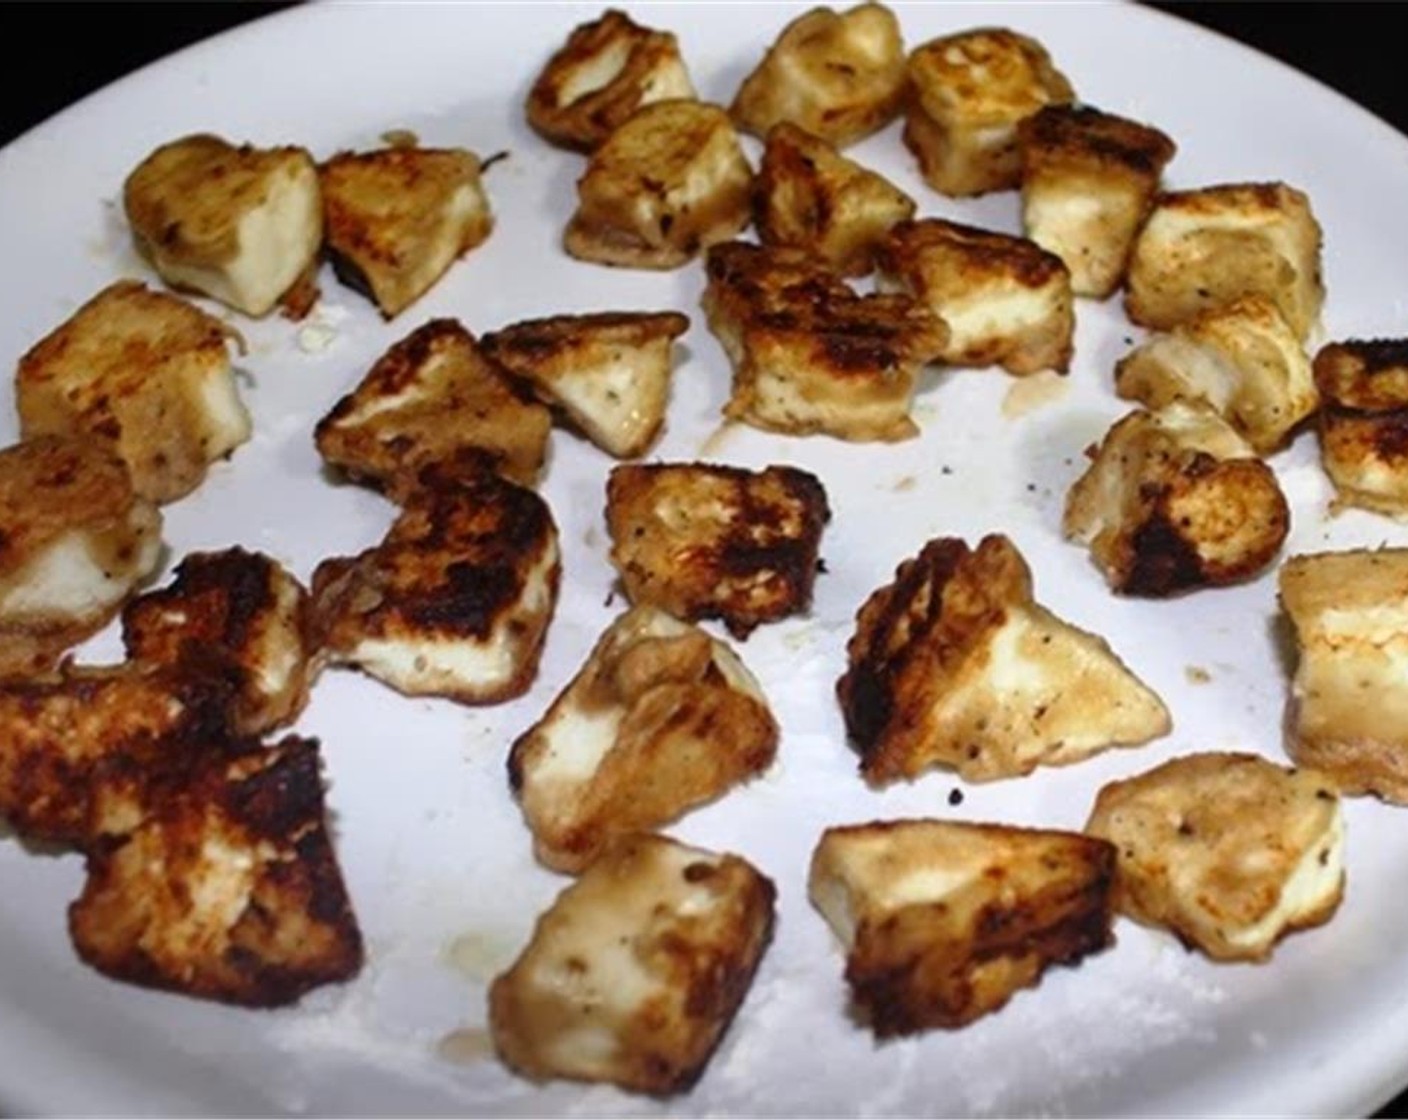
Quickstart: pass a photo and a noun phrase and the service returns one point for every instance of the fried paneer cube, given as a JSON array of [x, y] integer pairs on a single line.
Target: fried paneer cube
[[1088, 180], [607, 372], [146, 374], [397, 218], [1347, 715], [699, 540], [429, 397], [1174, 501], [669, 182], [1201, 248], [1228, 851], [808, 196], [944, 921], [76, 541], [636, 970], [839, 75], [217, 878], [967, 95], [237, 223], [1363, 389], [1242, 358], [1006, 300], [594, 82], [809, 355], [956, 664], [455, 600], [661, 718], [241, 611]]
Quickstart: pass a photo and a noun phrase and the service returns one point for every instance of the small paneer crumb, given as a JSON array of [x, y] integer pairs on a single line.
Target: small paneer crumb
[[1202, 248], [660, 719], [146, 374], [1088, 180], [636, 970], [968, 94], [607, 372], [839, 75], [431, 396], [76, 542], [1229, 852], [397, 218], [705, 541], [1006, 300], [1347, 715], [605, 71], [1174, 501], [808, 196], [669, 182], [215, 876], [956, 664], [944, 921], [239, 224], [1364, 412]]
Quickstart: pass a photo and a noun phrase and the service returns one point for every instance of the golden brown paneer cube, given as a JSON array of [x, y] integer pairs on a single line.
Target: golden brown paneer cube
[[429, 397], [1241, 358], [1348, 710], [1006, 300], [944, 921], [808, 196], [839, 75], [956, 664], [237, 223], [669, 182], [1174, 501], [699, 540], [607, 372], [1088, 180], [661, 718], [144, 373], [1201, 248], [809, 355], [397, 218], [1363, 388], [1228, 851], [636, 970], [455, 600], [216, 877], [605, 71], [75, 542], [967, 94]]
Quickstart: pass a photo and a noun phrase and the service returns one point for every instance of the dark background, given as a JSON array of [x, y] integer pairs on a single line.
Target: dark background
[[79, 48]]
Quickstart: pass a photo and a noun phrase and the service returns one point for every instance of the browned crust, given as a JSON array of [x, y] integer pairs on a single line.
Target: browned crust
[[1081, 137]]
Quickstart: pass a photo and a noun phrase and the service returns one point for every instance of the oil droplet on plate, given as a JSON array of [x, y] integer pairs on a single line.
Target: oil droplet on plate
[[1027, 394], [466, 1046]]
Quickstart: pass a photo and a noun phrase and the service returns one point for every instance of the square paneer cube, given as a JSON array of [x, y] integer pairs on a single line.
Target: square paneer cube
[[944, 921], [636, 970], [705, 541], [1088, 179], [146, 374], [968, 94], [1006, 300], [1363, 419]]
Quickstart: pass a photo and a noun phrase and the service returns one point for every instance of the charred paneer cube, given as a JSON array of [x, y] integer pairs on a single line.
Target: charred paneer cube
[[1363, 422]]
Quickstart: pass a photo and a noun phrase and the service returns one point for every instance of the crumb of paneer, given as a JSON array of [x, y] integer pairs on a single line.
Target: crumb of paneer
[[1174, 501], [660, 719], [967, 94], [666, 184], [397, 218], [1363, 422], [145, 373], [633, 974], [943, 922], [954, 663], [606, 70], [1227, 851], [839, 75], [1088, 180]]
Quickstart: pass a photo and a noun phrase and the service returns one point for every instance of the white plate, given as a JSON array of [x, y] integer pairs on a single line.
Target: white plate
[[436, 856]]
